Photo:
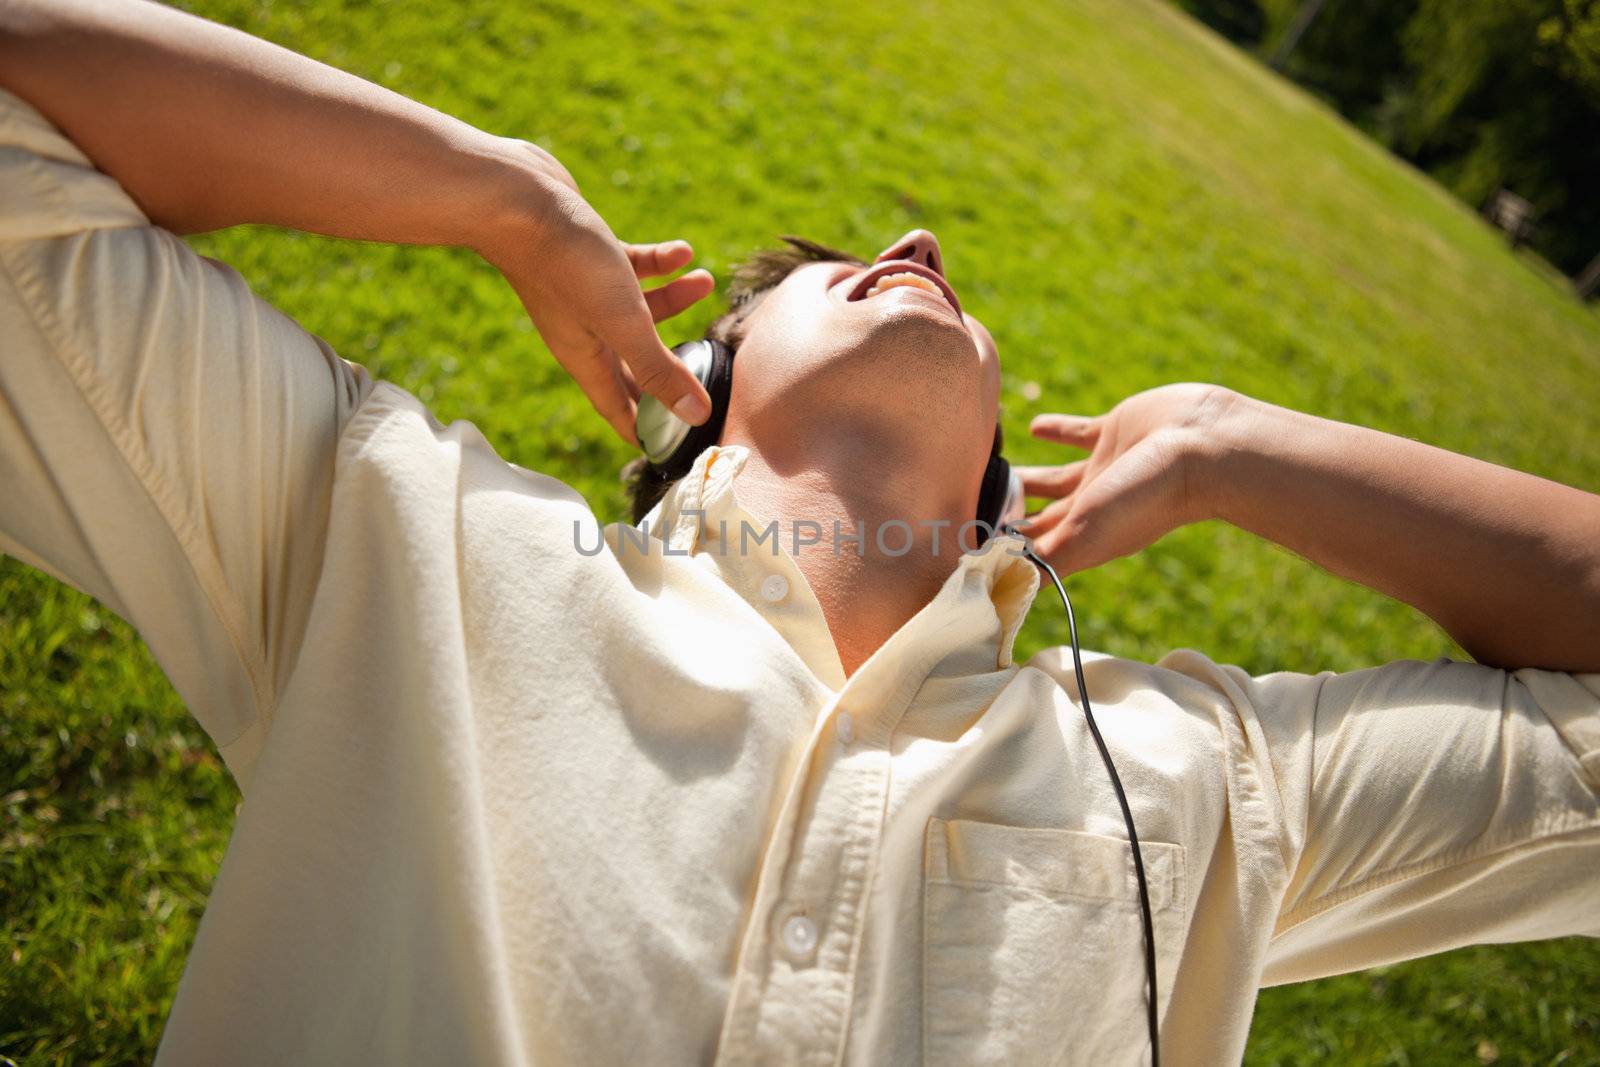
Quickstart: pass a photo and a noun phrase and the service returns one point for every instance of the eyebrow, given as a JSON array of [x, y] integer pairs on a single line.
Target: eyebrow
[[819, 252], [767, 268]]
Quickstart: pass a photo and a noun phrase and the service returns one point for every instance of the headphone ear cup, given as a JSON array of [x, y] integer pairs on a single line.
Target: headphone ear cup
[[670, 444], [1015, 508], [1001, 500], [993, 494]]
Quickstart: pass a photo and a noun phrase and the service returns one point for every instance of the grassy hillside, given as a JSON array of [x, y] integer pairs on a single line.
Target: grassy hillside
[[1121, 196]]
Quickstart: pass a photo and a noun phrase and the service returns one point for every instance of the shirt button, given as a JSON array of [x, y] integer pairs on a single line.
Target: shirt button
[[775, 587], [844, 728], [799, 937]]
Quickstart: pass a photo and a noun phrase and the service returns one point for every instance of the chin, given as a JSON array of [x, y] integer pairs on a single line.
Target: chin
[[911, 336]]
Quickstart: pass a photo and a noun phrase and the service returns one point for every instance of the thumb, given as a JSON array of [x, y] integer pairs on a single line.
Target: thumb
[[656, 370]]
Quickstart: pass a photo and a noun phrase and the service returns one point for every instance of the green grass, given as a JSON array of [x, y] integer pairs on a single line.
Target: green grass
[[1121, 196]]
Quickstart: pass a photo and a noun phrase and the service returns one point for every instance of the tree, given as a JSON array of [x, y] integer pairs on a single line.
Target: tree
[[1507, 93], [1482, 94], [1241, 21]]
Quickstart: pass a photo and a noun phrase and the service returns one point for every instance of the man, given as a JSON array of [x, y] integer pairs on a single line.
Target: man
[[508, 800]]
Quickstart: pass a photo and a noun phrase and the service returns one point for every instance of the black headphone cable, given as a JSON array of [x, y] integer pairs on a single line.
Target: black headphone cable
[[1127, 813]]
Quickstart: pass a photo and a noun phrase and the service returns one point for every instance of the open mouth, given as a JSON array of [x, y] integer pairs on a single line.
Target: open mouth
[[903, 273]]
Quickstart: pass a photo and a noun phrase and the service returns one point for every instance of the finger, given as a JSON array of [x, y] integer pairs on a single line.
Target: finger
[[598, 373], [657, 371], [679, 294], [654, 260], [1051, 481], [1059, 535], [1069, 544], [1042, 521], [629, 386], [628, 413], [1079, 431], [609, 395]]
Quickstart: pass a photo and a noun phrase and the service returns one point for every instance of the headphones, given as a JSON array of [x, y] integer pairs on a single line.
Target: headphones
[[672, 445]]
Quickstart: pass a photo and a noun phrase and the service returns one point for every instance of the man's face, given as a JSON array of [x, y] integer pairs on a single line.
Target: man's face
[[850, 346]]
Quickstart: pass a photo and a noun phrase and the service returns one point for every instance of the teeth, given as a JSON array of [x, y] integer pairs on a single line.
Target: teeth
[[894, 281]]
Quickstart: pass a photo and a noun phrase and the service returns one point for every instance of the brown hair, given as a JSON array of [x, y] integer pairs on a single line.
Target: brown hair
[[753, 279]]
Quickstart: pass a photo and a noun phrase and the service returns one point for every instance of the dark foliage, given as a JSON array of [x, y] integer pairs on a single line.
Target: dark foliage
[[1237, 20]]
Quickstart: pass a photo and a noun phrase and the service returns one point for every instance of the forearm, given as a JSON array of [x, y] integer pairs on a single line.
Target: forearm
[[1506, 562], [208, 127]]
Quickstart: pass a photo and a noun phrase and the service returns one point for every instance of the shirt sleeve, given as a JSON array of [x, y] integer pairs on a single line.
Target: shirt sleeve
[[1425, 806], [166, 437]]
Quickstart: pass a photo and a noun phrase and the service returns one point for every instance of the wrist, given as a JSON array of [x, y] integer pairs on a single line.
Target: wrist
[[1228, 432], [517, 189]]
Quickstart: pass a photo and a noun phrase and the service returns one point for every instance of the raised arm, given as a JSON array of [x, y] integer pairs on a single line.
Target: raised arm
[[1506, 562], [207, 127]]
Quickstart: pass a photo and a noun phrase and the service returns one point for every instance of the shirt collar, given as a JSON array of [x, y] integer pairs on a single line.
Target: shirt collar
[[970, 625]]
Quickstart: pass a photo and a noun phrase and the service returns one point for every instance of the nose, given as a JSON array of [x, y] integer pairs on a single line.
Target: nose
[[919, 246]]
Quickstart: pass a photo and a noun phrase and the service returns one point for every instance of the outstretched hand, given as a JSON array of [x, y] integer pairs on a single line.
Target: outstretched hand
[[1137, 483], [581, 287]]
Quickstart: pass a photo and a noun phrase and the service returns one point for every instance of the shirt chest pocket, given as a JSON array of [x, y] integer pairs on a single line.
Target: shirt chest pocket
[[1033, 945]]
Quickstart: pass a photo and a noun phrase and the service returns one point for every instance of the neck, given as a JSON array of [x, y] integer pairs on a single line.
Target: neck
[[901, 497]]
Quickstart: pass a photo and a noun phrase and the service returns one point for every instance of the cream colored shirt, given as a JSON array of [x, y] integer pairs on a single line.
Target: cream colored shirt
[[514, 798]]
